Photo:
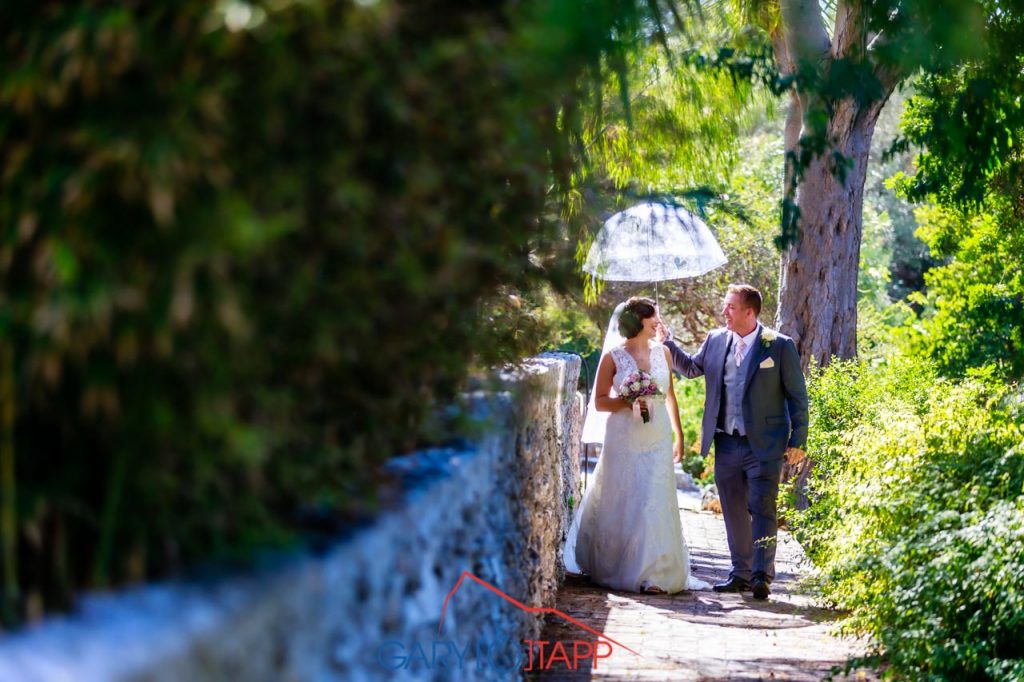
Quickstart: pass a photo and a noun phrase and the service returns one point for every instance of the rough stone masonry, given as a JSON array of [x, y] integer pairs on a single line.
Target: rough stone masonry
[[369, 607]]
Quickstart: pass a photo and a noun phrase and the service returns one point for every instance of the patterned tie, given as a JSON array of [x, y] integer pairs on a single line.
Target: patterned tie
[[740, 347]]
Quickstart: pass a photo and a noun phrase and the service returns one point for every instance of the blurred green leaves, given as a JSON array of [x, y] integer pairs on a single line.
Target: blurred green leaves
[[965, 117], [249, 248]]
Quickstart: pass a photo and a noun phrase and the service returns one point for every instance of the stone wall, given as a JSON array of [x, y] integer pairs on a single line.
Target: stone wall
[[369, 607]]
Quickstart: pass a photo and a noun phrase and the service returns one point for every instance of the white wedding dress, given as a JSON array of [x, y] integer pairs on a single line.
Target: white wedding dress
[[626, 533]]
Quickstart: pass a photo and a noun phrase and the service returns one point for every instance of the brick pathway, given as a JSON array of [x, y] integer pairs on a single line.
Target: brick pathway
[[702, 635]]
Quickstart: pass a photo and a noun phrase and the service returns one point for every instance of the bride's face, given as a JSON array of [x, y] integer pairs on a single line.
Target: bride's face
[[650, 327]]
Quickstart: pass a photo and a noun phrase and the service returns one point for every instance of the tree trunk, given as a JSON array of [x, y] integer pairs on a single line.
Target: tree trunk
[[818, 284], [818, 273]]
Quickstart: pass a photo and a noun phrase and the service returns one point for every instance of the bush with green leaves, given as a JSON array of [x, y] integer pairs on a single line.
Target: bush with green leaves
[[973, 306], [917, 515], [690, 398], [249, 248]]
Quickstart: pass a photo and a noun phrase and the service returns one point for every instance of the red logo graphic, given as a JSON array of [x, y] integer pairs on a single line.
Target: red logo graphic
[[581, 649]]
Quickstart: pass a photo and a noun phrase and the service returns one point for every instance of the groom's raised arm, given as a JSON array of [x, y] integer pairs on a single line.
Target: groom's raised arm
[[689, 366], [795, 388]]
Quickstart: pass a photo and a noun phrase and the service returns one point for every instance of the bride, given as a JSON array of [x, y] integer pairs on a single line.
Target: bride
[[626, 533]]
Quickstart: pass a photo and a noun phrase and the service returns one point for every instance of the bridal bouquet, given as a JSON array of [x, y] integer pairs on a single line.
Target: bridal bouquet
[[639, 385]]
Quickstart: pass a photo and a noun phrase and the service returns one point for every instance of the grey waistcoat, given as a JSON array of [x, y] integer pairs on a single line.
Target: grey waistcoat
[[735, 383]]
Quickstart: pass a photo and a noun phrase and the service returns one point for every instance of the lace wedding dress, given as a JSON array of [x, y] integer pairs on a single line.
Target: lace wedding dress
[[626, 534]]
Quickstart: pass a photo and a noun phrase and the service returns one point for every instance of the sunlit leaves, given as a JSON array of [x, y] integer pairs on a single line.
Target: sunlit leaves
[[916, 523], [973, 306], [965, 118], [680, 132]]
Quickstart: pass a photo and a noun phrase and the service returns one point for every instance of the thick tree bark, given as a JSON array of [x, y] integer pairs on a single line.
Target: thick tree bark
[[818, 287], [818, 275], [818, 279]]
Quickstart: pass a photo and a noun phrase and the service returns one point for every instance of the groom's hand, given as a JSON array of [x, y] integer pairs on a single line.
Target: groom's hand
[[661, 332], [794, 456]]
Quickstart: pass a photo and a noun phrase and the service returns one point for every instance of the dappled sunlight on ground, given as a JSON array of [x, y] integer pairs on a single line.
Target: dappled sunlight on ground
[[705, 635]]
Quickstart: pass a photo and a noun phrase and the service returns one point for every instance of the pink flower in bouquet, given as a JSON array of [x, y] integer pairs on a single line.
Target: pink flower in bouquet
[[639, 384]]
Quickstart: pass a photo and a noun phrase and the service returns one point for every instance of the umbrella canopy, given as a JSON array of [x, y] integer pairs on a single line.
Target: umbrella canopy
[[653, 242]]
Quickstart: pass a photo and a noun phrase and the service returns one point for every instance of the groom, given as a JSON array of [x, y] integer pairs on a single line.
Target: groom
[[755, 410]]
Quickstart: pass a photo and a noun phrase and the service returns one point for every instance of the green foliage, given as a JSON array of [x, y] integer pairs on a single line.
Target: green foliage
[[876, 339], [973, 307], [916, 519], [968, 120], [247, 250], [690, 399], [670, 142], [678, 140]]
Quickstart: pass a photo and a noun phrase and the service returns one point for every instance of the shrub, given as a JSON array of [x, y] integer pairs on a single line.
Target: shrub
[[973, 306], [916, 516], [690, 398]]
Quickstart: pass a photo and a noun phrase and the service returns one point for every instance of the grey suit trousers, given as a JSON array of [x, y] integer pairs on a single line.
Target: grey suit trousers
[[748, 489]]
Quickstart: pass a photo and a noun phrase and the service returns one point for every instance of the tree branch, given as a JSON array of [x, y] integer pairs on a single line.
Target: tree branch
[[849, 39], [794, 117], [806, 38], [889, 74]]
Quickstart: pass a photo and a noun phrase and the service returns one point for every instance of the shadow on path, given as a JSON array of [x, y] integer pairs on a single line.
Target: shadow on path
[[704, 635]]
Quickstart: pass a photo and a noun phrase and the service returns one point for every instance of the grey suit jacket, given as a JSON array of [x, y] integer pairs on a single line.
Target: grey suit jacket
[[775, 399]]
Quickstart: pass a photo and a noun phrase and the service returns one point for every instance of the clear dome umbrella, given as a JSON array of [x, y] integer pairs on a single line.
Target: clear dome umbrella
[[653, 242], [650, 242]]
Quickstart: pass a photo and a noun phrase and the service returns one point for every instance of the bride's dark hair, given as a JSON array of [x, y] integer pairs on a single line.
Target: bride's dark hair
[[631, 319]]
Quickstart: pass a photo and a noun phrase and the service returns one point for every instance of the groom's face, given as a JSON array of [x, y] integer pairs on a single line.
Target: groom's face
[[739, 318]]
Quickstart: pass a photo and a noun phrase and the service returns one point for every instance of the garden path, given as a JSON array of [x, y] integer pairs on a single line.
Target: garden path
[[702, 635]]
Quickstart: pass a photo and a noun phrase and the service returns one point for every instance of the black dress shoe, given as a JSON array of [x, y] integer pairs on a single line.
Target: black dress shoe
[[760, 588], [733, 584]]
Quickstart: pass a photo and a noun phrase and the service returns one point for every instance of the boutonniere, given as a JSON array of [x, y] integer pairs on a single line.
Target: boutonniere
[[767, 336]]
